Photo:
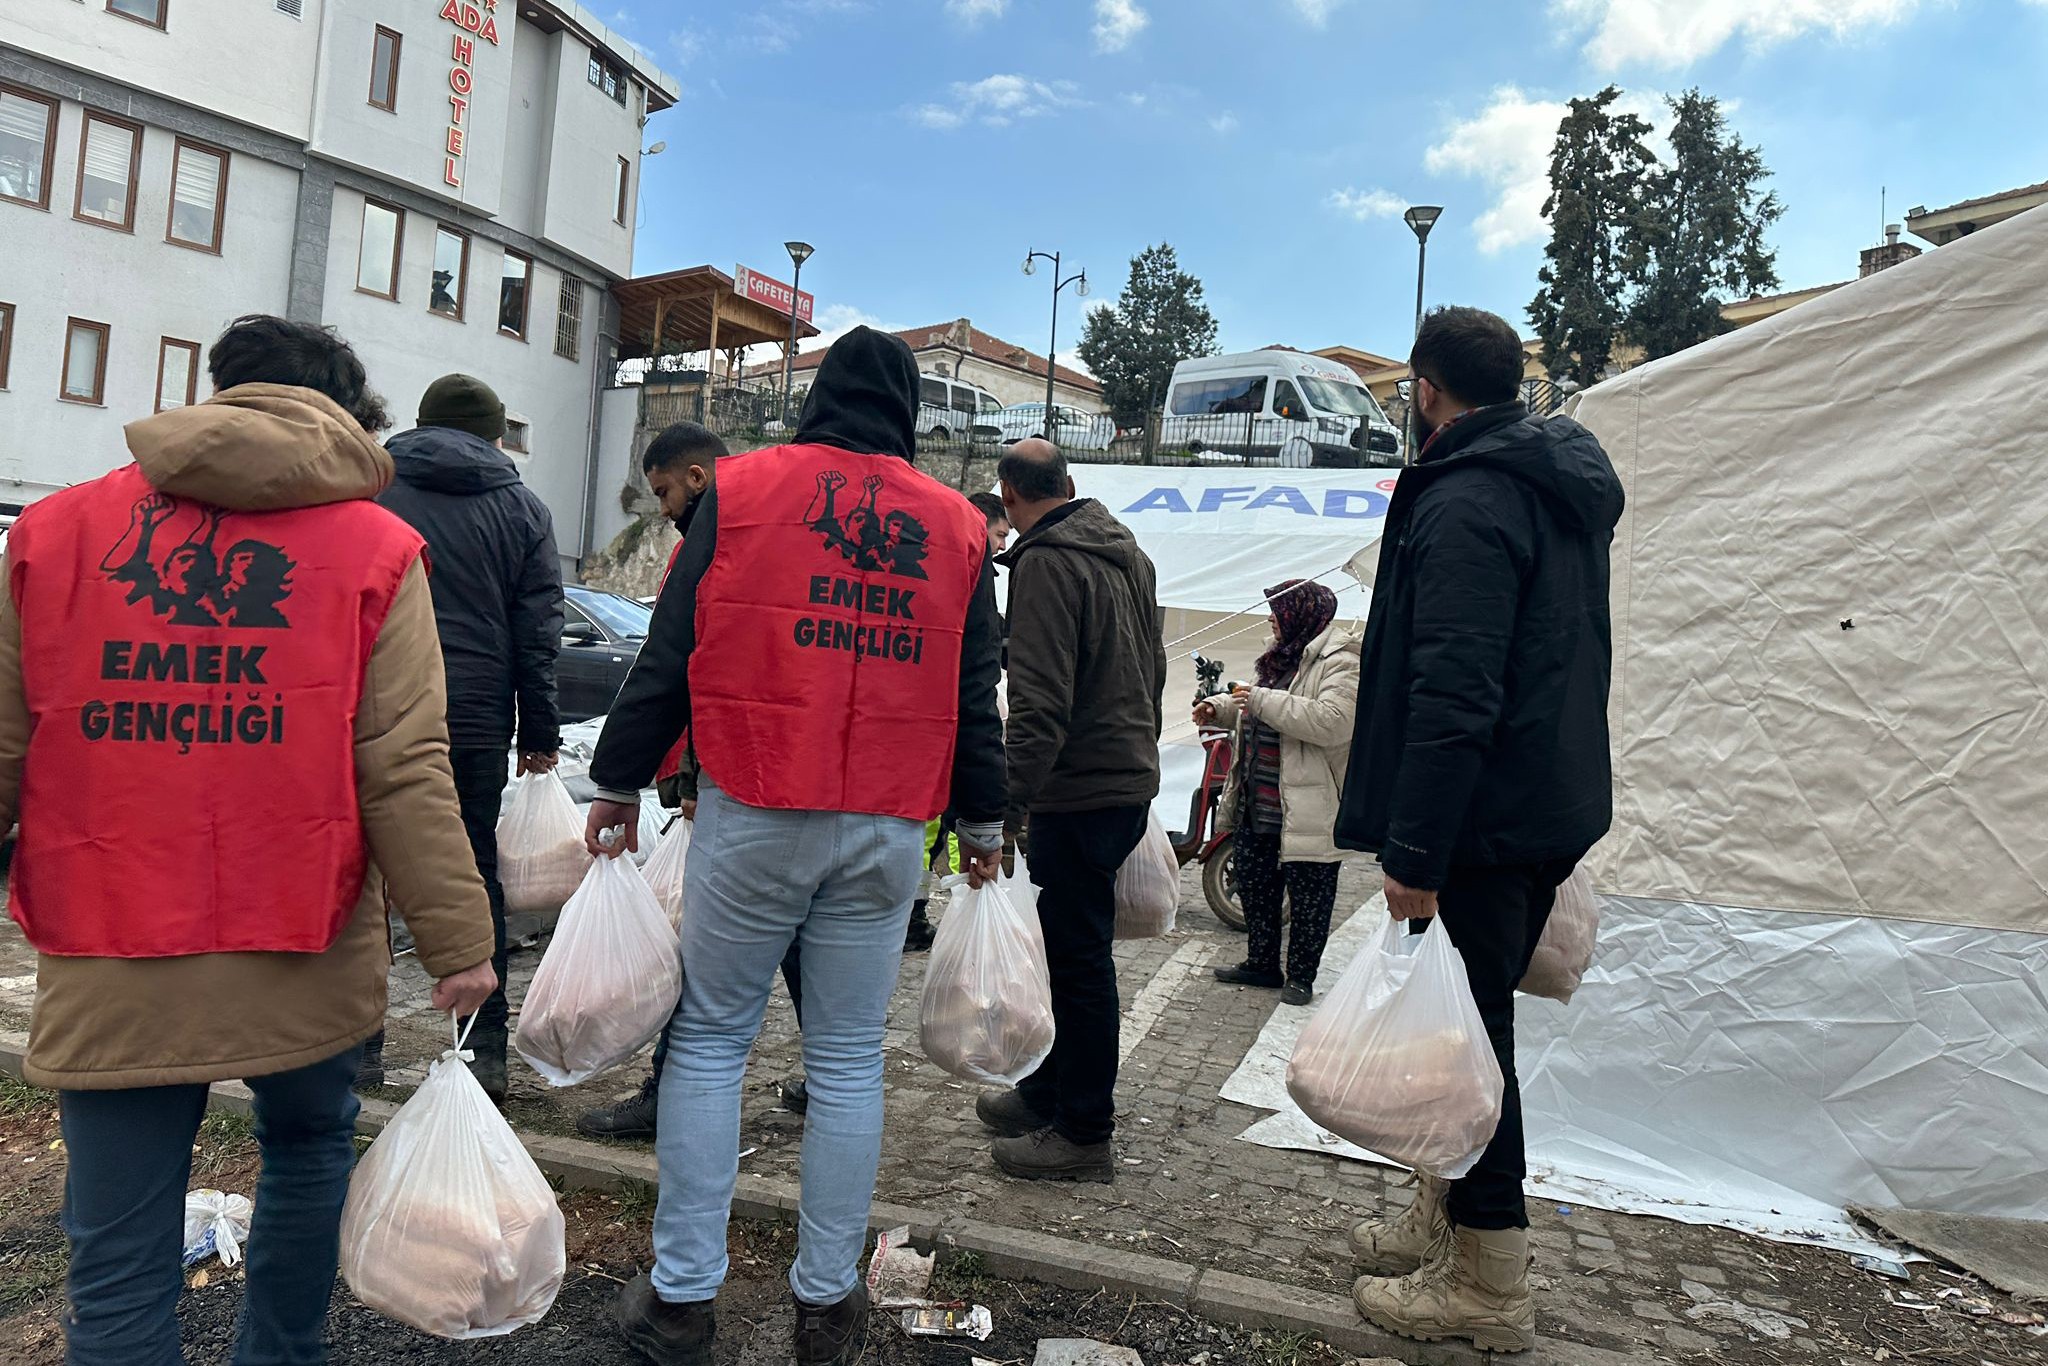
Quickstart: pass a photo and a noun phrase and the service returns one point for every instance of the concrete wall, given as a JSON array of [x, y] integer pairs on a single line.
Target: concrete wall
[[188, 60], [618, 463], [53, 267], [591, 133], [406, 348], [531, 134]]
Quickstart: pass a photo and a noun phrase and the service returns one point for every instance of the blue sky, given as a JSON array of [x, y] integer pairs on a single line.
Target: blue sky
[[923, 146]]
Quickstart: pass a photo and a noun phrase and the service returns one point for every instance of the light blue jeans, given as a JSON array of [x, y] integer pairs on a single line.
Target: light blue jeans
[[841, 885]]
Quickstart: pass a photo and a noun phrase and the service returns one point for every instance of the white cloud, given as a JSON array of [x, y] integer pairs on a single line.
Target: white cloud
[[1675, 33], [1225, 122], [997, 100], [1317, 12], [1072, 359], [1117, 23], [686, 45], [975, 11], [1136, 98], [835, 321], [1365, 205]]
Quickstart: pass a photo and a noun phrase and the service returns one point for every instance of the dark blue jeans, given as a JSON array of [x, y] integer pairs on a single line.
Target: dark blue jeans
[[124, 1213]]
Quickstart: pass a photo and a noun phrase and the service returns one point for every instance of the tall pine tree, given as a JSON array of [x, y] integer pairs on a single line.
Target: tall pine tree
[[1159, 319], [1598, 170], [1698, 239]]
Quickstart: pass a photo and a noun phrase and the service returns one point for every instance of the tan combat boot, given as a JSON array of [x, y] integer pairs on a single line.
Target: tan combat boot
[[1397, 1246], [1476, 1286]]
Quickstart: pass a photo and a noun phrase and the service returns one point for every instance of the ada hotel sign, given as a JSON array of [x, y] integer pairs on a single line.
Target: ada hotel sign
[[472, 21]]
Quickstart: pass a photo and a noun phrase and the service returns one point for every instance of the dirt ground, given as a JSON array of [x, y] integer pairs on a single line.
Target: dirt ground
[[607, 1244]]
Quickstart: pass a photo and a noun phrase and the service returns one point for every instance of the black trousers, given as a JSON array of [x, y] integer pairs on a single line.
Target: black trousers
[[480, 788], [1495, 916], [1265, 885], [1075, 856]]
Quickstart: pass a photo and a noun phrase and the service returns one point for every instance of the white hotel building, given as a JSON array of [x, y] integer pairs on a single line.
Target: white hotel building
[[451, 184]]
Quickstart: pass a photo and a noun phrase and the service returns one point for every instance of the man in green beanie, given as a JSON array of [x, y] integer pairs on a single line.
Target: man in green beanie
[[497, 587]]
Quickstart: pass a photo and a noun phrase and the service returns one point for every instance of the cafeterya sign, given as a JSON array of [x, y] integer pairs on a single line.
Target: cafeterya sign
[[752, 284], [474, 21]]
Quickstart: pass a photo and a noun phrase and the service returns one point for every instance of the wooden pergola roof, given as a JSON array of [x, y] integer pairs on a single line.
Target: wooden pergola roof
[[694, 310]]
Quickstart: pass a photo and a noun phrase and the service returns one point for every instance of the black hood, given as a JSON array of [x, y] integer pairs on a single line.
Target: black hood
[[1557, 456], [449, 461], [865, 397]]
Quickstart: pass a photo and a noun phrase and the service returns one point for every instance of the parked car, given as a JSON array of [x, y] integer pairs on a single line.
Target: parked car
[[1275, 407], [953, 409], [601, 638], [1075, 430]]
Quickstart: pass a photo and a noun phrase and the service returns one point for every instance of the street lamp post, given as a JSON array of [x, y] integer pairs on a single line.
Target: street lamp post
[[1080, 279], [1421, 218], [799, 252]]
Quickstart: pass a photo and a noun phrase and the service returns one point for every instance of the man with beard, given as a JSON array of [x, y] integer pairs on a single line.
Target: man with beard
[[834, 709], [1479, 766]]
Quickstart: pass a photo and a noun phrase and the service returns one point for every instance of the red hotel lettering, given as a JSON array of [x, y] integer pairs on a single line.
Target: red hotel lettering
[[465, 49], [454, 142], [482, 22], [460, 106], [458, 79]]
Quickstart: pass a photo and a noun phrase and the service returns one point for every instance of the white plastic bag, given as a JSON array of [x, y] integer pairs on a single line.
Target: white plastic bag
[[1565, 950], [664, 871], [215, 1222], [1397, 1059], [449, 1225], [1148, 886], [608, 982], [541, 858], [987, 1011], [651, 821]]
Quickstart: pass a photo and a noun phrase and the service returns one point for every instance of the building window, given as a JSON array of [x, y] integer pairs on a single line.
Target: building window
[[569, 318], [625, 178], [512, 295], [85, 362], [451, 272], [155, 13], [384, 70], [108, 150], [177, 373], [608, 78], [6, 340], [199, 196], [518, 435], [28, 137], [377, 258]]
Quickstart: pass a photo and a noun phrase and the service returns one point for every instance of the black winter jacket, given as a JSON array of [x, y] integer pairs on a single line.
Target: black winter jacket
[[864, 400], [1087, 665], [496, 581], [1482, 702]]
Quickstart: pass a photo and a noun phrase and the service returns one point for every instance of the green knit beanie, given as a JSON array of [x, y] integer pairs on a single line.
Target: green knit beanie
[[465, 403]]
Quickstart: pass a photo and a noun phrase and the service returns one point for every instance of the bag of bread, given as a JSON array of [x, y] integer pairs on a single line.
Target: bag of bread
[[1397, 1059], [1148, 886], [541, 858], [664, 871], [449, 1225], [608, 982], [987, 1011], [1565, 950]]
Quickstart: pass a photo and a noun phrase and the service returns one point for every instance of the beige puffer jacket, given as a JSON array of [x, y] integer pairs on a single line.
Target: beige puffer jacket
[[1314, 717]]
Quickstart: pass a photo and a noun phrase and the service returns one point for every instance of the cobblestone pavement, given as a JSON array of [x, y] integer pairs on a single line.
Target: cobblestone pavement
[[1186, 1189]]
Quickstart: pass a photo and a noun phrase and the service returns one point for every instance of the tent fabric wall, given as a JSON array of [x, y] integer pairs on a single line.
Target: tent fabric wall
[[1831, 601]]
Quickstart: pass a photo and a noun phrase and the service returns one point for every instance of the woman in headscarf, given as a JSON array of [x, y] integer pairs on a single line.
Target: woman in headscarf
[[1294, 741]]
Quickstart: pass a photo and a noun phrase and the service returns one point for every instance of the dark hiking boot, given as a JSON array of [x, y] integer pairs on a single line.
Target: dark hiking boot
[[666, 1334], [633, 1117], [1245, 975], [918, 934], [489, 1067], [370, 1071], [834, 1334], [1049, 1155], [796, 1096], [1008, 1114], [1297, 993]]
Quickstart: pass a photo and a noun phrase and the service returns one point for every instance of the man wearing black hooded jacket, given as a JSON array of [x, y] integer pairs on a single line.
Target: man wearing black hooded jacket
[[829, 635], [1479, 767], [497, 586]]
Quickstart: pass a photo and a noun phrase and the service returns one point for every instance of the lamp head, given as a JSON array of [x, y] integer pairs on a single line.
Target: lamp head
[[1081, 288], [1031, 264], [656, 150], [799, 252], [1422, 218]]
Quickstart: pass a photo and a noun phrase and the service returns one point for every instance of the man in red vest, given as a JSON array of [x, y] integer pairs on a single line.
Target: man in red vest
[[829, 636], [223, 730]]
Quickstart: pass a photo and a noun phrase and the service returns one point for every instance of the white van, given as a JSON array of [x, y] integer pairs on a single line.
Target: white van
[[1276, 407], [954, 410]]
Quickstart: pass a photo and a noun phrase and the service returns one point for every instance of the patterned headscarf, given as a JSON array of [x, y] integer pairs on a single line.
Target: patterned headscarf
[[1301, 611]]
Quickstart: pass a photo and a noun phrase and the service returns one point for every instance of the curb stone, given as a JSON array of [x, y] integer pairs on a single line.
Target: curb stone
[[1221, 1296]]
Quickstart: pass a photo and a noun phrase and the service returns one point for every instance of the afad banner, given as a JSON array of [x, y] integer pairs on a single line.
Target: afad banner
[[1221, 535]]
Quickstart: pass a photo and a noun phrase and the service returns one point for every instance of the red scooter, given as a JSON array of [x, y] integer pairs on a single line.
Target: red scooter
[[1202, 842]]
